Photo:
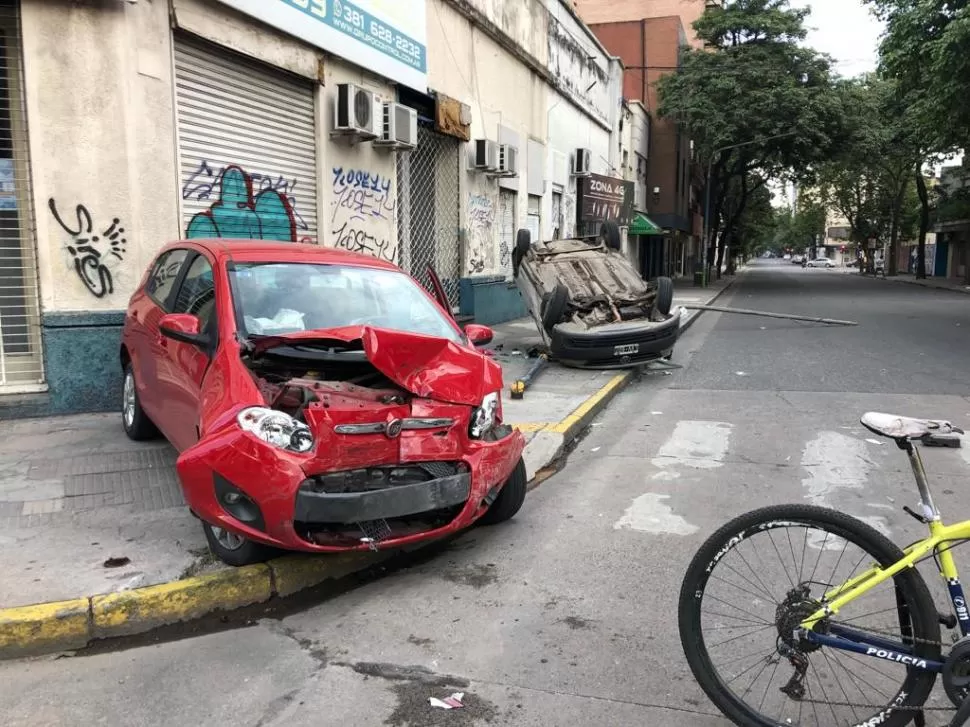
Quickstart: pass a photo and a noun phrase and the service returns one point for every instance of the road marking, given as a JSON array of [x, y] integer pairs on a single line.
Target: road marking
[[697, 444], [649, 514], [834, 461]]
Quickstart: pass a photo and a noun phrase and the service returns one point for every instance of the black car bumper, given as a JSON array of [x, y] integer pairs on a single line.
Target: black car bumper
[[314, 506], [615, 347]]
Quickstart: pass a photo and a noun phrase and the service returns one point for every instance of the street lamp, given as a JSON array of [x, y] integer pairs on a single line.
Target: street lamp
[[707, 193]]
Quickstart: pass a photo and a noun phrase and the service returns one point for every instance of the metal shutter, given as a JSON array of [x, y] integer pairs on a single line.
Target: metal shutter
[[21, 361], [233, 112]]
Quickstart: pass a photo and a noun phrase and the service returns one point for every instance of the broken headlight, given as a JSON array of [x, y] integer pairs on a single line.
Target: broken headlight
[[483, 417], [276, 428]]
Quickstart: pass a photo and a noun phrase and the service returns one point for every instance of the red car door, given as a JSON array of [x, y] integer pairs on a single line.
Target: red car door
[[145, 309], [185, 363]]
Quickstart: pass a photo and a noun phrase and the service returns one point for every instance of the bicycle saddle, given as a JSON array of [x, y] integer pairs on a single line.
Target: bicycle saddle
[[900, 427]]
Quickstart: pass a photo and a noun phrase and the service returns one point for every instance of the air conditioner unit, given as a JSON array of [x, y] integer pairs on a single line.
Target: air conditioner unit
[[486, 155], [399, 127], [581, 162], [354, 113], [508, 160]]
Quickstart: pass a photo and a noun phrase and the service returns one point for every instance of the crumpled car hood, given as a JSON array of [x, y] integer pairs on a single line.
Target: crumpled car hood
[[427, 366]]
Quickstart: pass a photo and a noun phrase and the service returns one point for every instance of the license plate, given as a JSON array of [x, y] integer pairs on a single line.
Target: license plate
[[626, 350]]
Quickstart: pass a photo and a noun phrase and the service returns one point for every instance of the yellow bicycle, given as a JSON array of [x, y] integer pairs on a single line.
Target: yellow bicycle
[[802, 615]]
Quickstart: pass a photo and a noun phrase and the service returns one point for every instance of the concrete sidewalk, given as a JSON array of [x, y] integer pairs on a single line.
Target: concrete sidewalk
[[84, 512]]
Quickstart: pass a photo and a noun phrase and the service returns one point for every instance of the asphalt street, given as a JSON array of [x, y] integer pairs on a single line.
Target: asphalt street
[[567, 615]]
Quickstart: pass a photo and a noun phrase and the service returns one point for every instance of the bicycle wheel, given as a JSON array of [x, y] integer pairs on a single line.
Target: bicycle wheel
[[760, 575]]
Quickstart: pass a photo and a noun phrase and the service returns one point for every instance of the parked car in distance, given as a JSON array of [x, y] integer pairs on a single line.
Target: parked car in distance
[[798, 259], [820, 262], [591, 306], [320, 400]]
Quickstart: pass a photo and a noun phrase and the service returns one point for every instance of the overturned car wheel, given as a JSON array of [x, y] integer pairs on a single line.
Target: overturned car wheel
[[610, 234], [554, 306], [234, 549], [509, 499], [665, 295], [523, 241]]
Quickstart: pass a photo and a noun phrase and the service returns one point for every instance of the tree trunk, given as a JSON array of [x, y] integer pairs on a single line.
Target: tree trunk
[[891, 266], [924, 224]]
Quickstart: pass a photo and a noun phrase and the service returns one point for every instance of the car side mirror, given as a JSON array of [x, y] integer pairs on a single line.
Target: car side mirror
[[182, 327], [478, 335]]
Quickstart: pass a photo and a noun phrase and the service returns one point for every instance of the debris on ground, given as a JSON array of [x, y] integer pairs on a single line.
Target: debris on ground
[[452, 702], [116, 562]]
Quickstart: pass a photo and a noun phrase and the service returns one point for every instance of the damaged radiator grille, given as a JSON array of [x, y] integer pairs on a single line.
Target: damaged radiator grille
[[379, 478], [615, 340]]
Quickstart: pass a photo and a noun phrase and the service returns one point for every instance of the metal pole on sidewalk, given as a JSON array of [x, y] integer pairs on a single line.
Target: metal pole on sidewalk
[[707, 194]]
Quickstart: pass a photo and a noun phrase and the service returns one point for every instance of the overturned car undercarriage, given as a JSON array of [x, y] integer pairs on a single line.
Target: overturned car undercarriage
[[599, 287], [590, 305]]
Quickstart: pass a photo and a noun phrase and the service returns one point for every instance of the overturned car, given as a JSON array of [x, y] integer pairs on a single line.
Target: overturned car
[[590, 305], [319, 400]]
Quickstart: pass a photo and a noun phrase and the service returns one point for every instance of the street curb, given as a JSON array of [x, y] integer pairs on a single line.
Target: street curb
[[921, 285], [45, 628]]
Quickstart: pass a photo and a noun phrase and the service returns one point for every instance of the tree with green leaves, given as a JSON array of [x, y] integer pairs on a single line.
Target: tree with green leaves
[[755, 101], [925, 51], [870, 181]]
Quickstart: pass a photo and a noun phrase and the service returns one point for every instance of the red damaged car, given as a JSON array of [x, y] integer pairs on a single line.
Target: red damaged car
[[319, 400]]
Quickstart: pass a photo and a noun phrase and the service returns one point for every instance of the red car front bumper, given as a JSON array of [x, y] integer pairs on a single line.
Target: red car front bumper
[[292, 497]]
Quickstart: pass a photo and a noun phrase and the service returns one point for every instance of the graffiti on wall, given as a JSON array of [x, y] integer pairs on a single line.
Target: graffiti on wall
[[362, 217], [568, 215], [241, 209], [481, 216], [93, 254]]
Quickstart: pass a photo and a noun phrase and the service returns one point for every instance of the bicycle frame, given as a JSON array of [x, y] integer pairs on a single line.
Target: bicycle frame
[[847, 638]]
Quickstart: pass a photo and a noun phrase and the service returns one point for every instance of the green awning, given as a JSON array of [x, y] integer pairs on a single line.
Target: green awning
[[643, 225]]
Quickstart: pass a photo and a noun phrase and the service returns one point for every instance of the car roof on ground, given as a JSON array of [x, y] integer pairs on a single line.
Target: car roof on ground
[[271, 251]]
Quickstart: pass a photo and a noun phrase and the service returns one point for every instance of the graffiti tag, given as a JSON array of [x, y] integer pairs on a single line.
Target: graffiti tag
[[93, 254], [362, 216], [359, 179], [481, 215], [204, 182], [358, 240], [239, 213]]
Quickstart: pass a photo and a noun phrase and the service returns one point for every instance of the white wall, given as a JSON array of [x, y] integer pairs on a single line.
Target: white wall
[[359, 181], [100, 107]]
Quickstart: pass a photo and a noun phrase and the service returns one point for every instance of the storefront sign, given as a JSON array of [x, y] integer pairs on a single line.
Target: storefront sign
[[385, 36], [605, 198]]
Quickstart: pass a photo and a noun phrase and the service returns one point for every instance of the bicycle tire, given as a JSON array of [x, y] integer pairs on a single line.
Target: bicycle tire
[[917, 685]]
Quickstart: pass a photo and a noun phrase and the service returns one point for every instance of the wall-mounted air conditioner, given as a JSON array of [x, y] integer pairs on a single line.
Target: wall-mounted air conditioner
[[355, 113], [486, 155], [508, 160], [581, 162], [399, 127]]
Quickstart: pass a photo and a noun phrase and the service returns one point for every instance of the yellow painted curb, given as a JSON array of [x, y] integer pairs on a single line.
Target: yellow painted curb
[[58, 625], [592, 405], [142, 609], [292, 573]]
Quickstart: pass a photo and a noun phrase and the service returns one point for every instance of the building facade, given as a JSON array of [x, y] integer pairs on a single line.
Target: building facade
[[130, 123], [649, 49]]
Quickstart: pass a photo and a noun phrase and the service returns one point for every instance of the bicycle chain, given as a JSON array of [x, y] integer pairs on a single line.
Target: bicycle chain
[[900, 708]]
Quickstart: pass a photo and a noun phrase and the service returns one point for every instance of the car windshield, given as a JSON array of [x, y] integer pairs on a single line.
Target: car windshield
[[281, 298]]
